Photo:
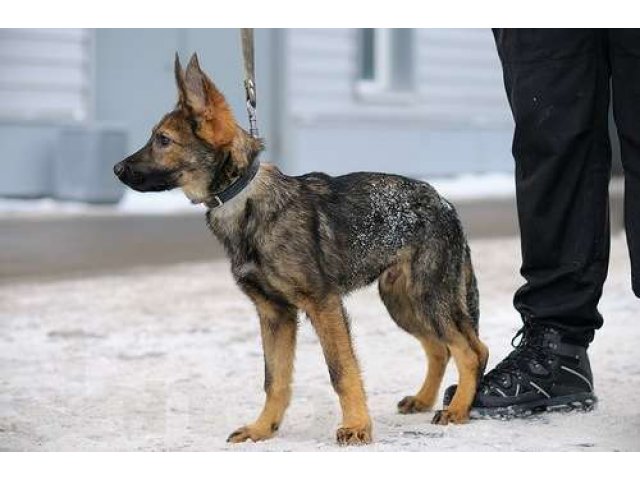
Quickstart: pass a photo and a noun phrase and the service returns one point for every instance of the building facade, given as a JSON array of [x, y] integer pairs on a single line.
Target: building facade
[[420, 102]]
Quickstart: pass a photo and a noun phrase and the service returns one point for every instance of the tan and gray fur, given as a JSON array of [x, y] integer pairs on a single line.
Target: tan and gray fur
[[300, 244]]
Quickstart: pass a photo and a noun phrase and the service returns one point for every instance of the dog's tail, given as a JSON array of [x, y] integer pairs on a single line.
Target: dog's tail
[[471, 284]]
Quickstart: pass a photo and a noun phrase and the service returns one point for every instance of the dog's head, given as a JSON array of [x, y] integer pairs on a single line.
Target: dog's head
[[198, 146]]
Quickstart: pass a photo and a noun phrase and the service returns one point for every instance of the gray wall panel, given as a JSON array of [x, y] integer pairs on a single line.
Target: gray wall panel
[[26, 151], [410, 150], [134, 78], [458, 89], [45, 74], [135, 74]]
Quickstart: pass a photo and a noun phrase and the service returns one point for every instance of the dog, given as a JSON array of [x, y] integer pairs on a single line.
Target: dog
[[300, 244]]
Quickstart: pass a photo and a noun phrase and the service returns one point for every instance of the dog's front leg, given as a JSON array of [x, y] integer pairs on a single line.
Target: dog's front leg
[[330, 323], [278, 326]]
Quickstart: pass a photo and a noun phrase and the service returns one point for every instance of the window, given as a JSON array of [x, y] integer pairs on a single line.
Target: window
[[386, 62]]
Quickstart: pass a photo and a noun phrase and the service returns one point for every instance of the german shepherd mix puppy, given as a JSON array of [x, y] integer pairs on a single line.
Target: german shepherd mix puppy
[[302, 243]]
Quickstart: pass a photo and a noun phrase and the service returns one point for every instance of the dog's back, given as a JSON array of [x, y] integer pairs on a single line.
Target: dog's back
[[373, 218]]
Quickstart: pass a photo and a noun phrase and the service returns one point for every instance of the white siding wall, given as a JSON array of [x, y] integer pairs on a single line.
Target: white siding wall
[[321, 67], [456, 119], [458, 78], [45, 74]]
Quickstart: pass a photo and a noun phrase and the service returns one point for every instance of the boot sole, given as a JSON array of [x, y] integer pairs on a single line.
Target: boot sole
[[585, 402]]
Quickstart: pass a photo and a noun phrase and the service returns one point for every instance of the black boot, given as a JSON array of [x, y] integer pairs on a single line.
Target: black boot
[[541, 373]]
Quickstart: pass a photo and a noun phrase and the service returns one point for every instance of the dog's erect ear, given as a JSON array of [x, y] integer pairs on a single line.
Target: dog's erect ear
[[196, 81], [182, 91], [207, 106]]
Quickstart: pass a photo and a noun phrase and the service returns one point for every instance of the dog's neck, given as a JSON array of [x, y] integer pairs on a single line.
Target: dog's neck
[[217, 198], [233, 169], [235, 222], [269, 191], [232, 208]]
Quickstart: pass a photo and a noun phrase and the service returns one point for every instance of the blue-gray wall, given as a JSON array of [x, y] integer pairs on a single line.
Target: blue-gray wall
[[45, 82], [310, 110], [455, 119], [135, 83]]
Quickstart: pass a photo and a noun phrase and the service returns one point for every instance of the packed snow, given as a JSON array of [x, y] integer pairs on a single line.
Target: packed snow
[[470, 186], [132, 202], [169, 359]]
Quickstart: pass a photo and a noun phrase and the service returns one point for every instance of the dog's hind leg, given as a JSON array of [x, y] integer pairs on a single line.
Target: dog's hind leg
[[331, 325], [438, 357], [478, 347], [468, 351], [469, 304], [469, 366], [393, 286], [470, 355], [278, 326]]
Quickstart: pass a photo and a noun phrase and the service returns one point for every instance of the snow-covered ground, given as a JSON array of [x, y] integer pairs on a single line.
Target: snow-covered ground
[[470, 186], [170, 359], [149, 203]]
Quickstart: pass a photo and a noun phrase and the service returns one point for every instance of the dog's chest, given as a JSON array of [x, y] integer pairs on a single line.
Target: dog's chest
[[239, 244], [245, 270]]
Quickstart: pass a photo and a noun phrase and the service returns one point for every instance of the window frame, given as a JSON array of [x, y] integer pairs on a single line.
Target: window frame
[[381, 52], [381, 87]]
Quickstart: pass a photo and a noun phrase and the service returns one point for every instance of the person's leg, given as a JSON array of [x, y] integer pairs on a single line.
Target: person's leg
[[557, 83], [625, 72]]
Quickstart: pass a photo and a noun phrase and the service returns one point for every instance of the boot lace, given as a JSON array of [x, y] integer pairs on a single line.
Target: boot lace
[[530, 347]]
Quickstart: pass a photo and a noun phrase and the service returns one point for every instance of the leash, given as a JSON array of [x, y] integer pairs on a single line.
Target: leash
[[241, 183], [249, 78]]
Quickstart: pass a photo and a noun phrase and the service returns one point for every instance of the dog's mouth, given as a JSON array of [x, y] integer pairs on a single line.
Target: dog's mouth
[[148, 185], [149, 180], [153, 187]]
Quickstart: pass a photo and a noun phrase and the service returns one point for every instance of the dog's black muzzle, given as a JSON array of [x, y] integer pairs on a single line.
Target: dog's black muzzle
[[143, 178]]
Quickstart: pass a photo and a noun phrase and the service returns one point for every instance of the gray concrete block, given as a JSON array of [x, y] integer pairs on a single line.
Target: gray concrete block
[[83, 163], [26, 153]]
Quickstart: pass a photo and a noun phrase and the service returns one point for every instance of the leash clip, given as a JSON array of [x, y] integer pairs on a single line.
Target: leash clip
[[217, 199], [249, 79], [250, 89]]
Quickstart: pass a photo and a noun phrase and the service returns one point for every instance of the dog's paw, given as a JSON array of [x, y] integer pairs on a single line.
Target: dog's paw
[[444, 417], [250, 432], [411, 404], [354, 435]]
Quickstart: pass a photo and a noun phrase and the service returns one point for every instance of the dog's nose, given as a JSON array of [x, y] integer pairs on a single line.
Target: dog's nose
[[119, 169]]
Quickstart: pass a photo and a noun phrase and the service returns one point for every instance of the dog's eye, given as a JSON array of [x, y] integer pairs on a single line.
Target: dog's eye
[[162, 140]]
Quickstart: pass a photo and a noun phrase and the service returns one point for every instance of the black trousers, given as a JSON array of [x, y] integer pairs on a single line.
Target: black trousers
[[558, 82]]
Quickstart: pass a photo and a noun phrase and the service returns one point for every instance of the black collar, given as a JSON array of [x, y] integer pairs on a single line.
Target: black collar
[[236, 187]]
